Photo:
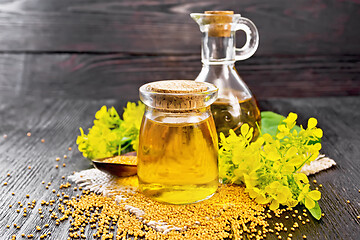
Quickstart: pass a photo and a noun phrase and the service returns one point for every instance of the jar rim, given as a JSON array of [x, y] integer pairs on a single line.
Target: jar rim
[[167, 96]]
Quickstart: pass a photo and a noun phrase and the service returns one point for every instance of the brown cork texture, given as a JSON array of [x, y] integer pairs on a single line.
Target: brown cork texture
[[179, 94], [220, 23]]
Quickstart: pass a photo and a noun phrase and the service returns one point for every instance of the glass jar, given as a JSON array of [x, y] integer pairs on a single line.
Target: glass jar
[[235, 104], [178, 144]]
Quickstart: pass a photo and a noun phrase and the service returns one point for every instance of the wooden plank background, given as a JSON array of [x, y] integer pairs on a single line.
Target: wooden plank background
[[55, 48]]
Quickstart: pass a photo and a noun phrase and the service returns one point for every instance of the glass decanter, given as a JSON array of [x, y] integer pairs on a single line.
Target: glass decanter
[[235, 104]]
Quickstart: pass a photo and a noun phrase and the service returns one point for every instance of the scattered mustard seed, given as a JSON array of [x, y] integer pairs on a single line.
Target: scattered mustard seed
[[42, 140], [64, 165], [69, 148], [65, 156], [315, 181], [28, 134], [5, 183], [347, 201]]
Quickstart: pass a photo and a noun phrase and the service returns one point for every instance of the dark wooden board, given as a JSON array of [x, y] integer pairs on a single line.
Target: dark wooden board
[[302, 27], [57, 121], [118, 76]]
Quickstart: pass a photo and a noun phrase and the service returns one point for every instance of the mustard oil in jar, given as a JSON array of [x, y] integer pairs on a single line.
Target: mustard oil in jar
[[178, 160], [178, 144]]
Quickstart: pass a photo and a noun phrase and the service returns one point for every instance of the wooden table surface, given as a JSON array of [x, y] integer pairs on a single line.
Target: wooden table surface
[[57, 122]]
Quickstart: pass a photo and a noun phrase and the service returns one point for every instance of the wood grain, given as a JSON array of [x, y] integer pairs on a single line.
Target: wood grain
[[57, 121], [118, 76], [301, 27]]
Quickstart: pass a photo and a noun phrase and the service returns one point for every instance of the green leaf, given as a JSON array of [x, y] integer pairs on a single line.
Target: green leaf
[[316, 211], [270, 122]]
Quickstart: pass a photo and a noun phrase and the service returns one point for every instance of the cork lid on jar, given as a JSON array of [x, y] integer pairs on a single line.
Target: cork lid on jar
[[219, 23], [178, 94]]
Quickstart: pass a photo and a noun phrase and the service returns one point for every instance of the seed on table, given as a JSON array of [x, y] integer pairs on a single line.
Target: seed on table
[[69, 148], [23, 234], [29, 167], [347, 201], [5, 183], [4, 136], [320, 185], [64, 165], [38, 228], [27, 196], [304, 236], [358, 217], [56, 166], [8, 174], [57, 159], [18, 210], [49, 183], [43, 182], [24, 214], [63, 177], [315, 181], [28, 134], [65, 156], [42, 140], [8, 226], [12, 193]]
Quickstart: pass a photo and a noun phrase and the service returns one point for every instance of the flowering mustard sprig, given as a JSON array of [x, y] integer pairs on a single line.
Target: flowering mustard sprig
[[111, 135], [269, 167]]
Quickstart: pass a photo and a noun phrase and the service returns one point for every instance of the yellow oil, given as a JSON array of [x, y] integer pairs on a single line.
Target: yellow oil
[[177, 162], [226, 115]]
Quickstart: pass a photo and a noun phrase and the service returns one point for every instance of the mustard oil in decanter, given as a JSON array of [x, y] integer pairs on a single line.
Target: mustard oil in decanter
[[226, 117]]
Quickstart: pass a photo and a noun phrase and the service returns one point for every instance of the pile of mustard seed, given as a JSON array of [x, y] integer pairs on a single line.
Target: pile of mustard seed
[[229, 214]]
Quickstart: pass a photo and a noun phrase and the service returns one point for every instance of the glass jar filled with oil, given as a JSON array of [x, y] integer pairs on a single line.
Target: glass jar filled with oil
[[178, 143], [235, 104]]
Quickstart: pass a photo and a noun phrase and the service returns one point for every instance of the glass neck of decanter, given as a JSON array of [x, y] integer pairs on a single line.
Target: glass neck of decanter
[[218, 50]]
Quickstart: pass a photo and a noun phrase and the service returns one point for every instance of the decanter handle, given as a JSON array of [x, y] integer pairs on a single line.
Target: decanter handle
[[252, 39]]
